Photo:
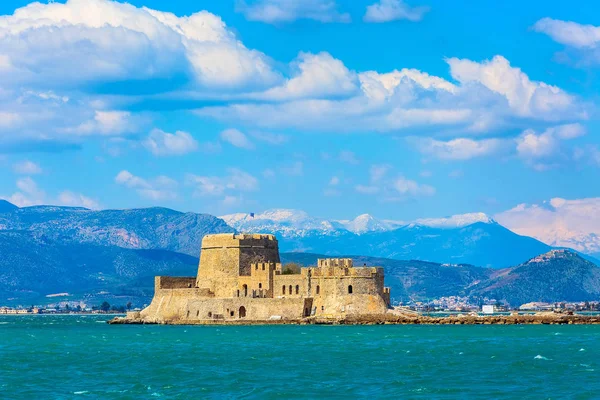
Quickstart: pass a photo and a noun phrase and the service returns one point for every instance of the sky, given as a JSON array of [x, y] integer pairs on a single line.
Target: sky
[[400, 109]]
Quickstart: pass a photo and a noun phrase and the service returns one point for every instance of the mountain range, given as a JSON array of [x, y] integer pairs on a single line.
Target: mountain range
[[469, 239], [115, 254]]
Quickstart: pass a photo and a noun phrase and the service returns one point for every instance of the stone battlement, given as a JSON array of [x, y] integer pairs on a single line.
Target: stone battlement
[[235, 240]]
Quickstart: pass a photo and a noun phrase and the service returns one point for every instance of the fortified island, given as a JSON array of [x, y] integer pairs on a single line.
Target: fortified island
[[241, 280]]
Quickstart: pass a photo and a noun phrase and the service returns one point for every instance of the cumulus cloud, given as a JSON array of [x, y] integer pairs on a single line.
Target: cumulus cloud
[[102, 40], [316, 76], [558, 222], [234, 181], [27, 167], [458, 149], [161, 143], [524, 97], [159, 188], [541, 149], [284, 11], [392, 10], [236, 138], [487, 95]]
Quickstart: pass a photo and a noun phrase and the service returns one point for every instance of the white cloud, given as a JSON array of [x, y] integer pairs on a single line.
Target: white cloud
[[236, 138], [545, 145], [101, 40], [558, 222], [488, 95], [316, 75], [161, 143], [282, 11], [334, 181], [27, 167], [409, 187], [524, 97], [235, 181], [458, 149], [392, 10], [159, 188], [107, 123], [71, 199], [392, 188], [569, 33], [29, 193]]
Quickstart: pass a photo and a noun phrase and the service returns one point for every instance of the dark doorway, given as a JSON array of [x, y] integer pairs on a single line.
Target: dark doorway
[[242, 312]]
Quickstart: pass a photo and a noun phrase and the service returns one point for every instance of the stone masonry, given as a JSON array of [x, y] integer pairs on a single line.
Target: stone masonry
[[240, 277]]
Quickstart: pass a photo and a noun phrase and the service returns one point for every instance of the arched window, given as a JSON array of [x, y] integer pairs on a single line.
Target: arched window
[[245, 287], [349, 289], [242, 312], [260, 285], [297, 289], [283, 289], [290, 289], [318, 289]]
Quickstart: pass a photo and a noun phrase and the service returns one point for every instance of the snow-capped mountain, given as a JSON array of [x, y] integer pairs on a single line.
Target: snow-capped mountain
[[296, 223], [283, 222], [455, 221]]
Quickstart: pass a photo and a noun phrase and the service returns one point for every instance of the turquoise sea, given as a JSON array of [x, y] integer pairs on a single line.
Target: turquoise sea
[[72, 356]]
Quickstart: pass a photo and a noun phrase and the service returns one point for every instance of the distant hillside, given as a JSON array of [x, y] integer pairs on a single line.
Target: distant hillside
[[5, 206], [559, 275], [146, 228], [483, 244], [32, 267]]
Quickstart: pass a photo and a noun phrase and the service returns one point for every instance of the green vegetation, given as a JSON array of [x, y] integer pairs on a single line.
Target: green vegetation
[[291, 268]]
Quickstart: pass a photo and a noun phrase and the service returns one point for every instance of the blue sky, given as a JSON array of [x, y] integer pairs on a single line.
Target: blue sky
[[403, 110]]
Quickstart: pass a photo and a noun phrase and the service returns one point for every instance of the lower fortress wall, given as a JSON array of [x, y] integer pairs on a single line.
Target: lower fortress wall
[[192, 304]]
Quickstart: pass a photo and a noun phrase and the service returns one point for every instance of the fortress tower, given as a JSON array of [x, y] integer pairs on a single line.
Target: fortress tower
[[226, 257]]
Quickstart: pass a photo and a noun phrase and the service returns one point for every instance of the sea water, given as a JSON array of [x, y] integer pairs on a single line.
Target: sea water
[[64, 357]]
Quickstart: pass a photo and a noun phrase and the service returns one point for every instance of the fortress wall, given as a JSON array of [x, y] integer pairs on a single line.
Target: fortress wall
[[255, 309], [174, 282], [297, 282]]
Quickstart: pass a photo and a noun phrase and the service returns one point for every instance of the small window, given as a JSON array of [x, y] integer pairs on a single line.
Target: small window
[[349, 289], [256, 267], [263, 267], [198, 313], [238, 293], [210, 314], [232, 313], [283, 289], [290, 289], [318, 289], [260, 285], [297, 289], [245, 287]]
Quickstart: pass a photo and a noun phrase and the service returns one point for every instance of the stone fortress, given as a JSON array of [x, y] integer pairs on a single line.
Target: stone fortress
[[240, 278]]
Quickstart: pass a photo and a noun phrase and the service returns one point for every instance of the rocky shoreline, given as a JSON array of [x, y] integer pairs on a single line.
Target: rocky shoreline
[[394, 319]]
